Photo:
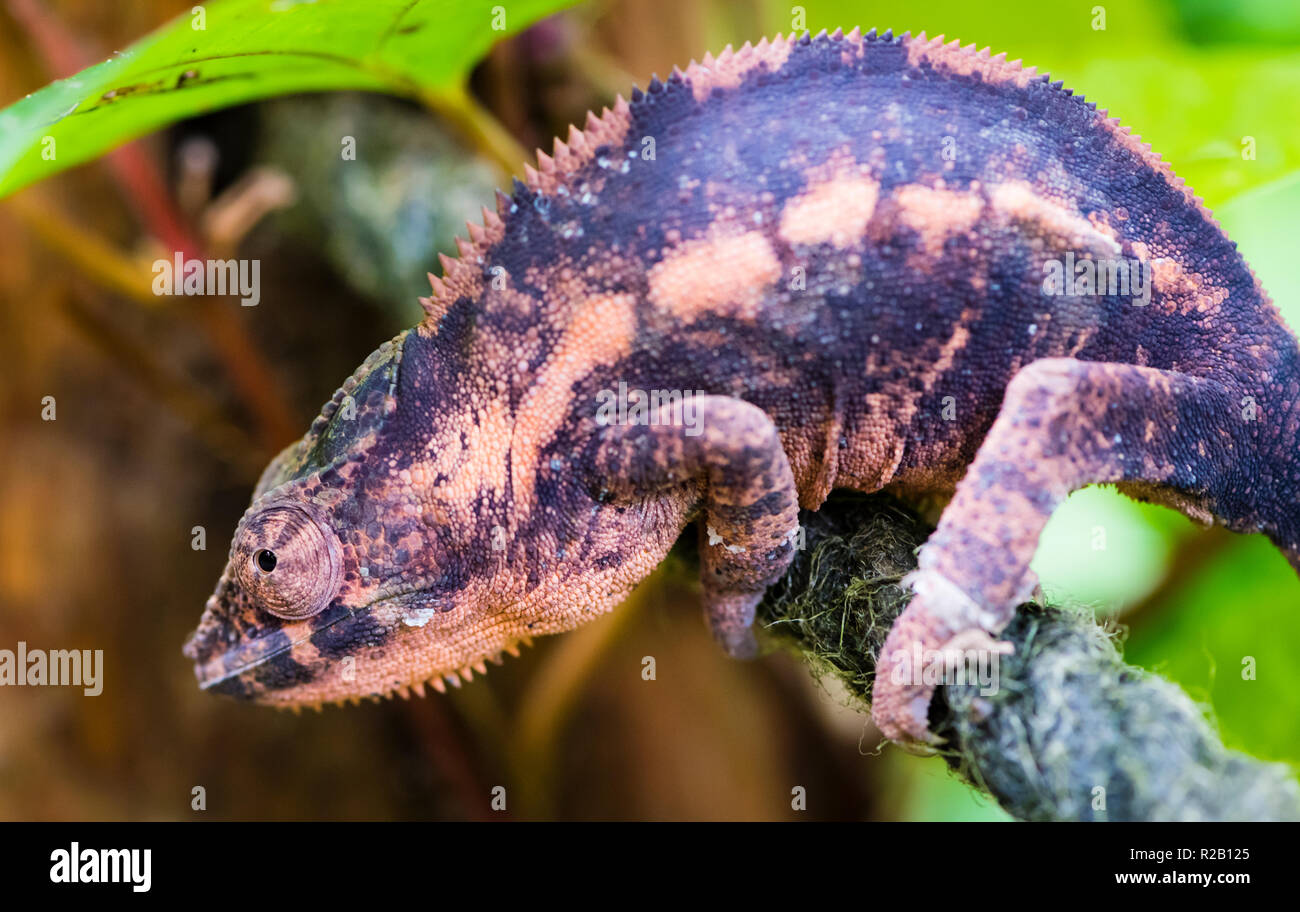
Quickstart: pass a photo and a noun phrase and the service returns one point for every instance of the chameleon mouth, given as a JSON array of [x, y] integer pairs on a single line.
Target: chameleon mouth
[[251, 655], [238, 660], [218, 672]]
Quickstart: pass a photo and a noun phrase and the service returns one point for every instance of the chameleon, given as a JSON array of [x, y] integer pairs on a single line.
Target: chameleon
[[863, 261]]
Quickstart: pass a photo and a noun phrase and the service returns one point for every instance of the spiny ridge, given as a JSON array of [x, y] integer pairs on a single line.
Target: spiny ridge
[[463, 276]]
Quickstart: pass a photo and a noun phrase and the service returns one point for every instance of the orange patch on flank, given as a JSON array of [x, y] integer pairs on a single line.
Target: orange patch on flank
[[728, 69], [601, 333], [833, 212], [1020, 202], [1169, 277], [1189, 290], [718, 275], [1135, 144], [937, 214], [1101, 224], [948, 354]]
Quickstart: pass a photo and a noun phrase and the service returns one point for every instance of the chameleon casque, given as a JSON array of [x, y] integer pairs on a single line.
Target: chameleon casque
[[835, 249]]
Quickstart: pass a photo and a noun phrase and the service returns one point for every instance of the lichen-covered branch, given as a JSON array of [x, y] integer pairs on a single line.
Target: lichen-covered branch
[[1071, 732]]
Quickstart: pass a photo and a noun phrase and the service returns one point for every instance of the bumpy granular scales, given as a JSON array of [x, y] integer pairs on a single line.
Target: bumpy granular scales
[[1072, 733], [826, 298]]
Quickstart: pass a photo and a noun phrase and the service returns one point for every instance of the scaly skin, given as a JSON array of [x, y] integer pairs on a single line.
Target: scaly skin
[[840, 243]]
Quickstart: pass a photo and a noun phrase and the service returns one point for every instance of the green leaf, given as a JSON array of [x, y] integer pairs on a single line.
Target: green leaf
[[1239, 21], [243, 50]]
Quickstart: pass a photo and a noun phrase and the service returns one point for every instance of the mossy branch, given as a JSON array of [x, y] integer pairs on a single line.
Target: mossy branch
[[1072, 732]]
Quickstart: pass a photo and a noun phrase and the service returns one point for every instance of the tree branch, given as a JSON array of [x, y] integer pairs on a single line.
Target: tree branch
[[1071, 732]]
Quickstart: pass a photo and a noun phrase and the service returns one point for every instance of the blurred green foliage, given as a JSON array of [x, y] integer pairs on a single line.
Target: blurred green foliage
[[379, 216], [1275, 22], [233, 51]]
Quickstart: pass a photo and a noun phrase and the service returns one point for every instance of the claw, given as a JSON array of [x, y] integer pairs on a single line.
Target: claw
[[902, 690], [975, 641], [902, 693], [907, 723]]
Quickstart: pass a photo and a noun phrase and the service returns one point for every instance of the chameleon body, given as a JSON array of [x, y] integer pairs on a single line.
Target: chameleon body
[[838, 251]]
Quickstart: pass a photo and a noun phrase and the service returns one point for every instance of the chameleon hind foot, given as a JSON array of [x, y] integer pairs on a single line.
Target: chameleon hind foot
[[940, 631], [1063, 424]]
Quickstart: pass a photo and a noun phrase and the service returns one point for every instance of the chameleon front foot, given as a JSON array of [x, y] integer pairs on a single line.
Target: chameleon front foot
[[739, 475]]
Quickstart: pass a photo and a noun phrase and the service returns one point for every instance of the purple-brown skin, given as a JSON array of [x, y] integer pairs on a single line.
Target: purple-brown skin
[[844, 244]]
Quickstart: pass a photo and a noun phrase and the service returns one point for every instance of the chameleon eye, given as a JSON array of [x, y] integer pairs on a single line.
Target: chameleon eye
[[288, 559]]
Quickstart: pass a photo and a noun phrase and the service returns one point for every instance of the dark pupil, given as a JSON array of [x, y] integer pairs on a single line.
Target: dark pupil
[[266, 560]]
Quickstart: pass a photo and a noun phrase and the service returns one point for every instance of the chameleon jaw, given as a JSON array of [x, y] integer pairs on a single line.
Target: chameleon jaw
[[234, 671], [290, 665], [438, 681]]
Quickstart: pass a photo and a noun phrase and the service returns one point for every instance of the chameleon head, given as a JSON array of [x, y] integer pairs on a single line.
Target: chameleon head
[[345, 578]]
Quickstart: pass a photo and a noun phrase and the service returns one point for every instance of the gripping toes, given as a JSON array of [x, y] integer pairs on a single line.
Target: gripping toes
[[941, 632], [1063, 424]]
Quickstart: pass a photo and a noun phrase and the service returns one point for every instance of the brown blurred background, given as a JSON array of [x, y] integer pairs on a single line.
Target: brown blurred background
[[168, 407], [166, 412]]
